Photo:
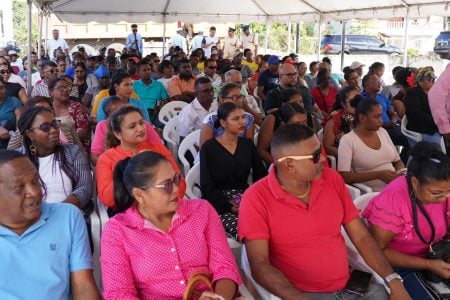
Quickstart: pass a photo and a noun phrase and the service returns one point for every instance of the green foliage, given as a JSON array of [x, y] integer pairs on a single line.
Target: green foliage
[[20, 13], [413, 52]]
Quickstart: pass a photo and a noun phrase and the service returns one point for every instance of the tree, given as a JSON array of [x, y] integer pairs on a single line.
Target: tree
[[20, 23]]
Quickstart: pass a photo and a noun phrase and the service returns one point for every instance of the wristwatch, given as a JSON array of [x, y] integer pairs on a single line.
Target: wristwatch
[[391, 277]]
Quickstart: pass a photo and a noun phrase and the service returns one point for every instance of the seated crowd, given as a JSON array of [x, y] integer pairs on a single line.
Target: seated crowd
[[89, 135]]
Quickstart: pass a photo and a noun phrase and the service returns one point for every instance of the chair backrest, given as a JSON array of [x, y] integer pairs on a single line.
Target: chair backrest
[[408, 133], [354, 192], [189, 144], [170, 110], [362, 201], [320, 134], [193, 190], [170, 136]]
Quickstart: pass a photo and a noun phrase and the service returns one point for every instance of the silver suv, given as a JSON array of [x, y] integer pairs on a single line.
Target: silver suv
[[364, 44]]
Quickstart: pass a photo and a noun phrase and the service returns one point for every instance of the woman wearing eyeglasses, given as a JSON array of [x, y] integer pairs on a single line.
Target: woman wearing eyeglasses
[[225, 164], [418, 109], [10, 109], [69, 112], [13, 89], [64, 169], [366, 154], [151, 249], [126, 137], [229, 92], [82, 81], [410, 217]]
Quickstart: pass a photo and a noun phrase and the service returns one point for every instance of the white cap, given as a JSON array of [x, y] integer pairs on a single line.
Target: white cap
[[356, 65]]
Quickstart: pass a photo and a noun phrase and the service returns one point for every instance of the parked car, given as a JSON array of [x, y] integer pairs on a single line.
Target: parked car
[[442, 45], [364, 44]]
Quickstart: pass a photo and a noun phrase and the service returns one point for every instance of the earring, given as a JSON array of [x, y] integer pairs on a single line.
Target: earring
[[33, 150]]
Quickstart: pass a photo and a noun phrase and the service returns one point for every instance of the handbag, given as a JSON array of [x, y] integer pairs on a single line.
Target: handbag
[[198, 283]]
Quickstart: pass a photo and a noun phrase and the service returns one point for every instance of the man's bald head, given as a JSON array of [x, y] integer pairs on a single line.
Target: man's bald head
[[288, 75]]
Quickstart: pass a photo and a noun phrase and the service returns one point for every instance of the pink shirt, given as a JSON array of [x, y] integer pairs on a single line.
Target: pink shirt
[[99, 140], [391, 210], [439, 100], [139, 261]]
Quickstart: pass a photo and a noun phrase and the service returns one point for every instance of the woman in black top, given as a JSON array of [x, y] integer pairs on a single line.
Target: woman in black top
[[225, 165], [418, 109]]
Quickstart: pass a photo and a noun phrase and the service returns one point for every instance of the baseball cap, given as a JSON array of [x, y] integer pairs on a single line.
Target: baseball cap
[[356, 65], [135, 59], [12, 52], [214, 52], [273, 59], [102, 71], [289, 60], [237, 53]]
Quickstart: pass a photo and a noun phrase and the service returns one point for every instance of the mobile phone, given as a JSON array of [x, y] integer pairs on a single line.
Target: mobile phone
[[359, 282]]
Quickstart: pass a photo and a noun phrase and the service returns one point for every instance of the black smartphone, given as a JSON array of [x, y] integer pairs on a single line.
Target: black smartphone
[[359, 282]]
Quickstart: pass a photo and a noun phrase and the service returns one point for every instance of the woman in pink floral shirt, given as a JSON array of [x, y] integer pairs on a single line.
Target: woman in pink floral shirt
[[150, 250]]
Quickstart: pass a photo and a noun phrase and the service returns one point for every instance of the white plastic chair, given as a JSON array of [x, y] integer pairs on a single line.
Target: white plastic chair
[[354, 192], [193, 190], [365, 189], [245, 266], [331, 159], [170, 136], [170, 110], [354, 258], [189, 144]]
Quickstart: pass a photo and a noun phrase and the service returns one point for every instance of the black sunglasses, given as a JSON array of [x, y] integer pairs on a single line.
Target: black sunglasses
[[3, 72], [167, 185], [45, 127]]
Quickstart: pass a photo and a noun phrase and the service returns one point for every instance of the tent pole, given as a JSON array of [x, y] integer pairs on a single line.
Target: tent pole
[[268, 26], [319, 37], [164, 36], [46, 33], [344, 24], [289, 36], [30, 9], [40, 21], [297, 37], [405, 41]]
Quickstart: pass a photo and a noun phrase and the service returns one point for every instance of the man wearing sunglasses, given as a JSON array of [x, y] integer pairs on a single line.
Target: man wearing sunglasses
[[295, 214], [210, 72], [49, 71]]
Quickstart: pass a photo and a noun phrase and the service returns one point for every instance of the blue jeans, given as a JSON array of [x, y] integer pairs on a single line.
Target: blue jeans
[[375, 292], [413, 284], [430, 138]]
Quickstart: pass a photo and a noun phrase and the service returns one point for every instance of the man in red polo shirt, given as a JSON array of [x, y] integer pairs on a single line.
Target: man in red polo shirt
[[290, 222]]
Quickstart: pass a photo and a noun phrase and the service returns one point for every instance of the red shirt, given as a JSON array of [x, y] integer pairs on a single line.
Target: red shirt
[[325, 102], [305, 242], [107, 162]]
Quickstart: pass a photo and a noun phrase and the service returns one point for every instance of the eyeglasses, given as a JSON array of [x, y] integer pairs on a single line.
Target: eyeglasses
[[290, 74], [206, 91], [235, 97], [315, 156], [51, 71], [168, 184], [3, 72], [432, 79], [45, 127], [63, 87]]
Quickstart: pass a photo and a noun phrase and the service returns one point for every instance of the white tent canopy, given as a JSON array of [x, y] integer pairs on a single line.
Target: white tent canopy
[[107, 11]]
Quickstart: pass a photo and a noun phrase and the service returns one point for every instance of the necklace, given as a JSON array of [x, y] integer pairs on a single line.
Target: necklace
[[300, 196]]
